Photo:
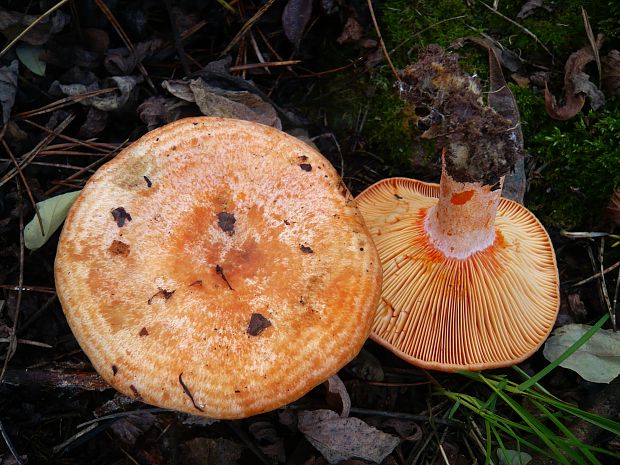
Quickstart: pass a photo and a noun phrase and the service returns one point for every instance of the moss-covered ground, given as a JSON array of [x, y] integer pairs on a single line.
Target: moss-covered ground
[[573, 166]]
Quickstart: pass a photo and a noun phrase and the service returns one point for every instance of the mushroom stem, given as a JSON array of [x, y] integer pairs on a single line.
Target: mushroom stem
[[463, 220]]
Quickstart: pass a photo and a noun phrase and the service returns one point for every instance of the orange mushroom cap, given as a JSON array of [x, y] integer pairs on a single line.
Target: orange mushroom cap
[[489, 310], [217, 267]]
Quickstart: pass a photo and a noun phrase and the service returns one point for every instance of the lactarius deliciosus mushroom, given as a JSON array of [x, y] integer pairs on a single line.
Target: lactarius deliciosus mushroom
[[469, 279], [217, 267]]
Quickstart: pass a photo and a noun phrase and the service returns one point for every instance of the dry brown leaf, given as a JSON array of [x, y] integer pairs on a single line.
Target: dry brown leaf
[[352, 31], [295, 18], [129, 429], [70, 56], [611, 72], [501, 99], [122, 61], [366, 366], [269, 441], [213, 101], [344, 438], [96, 40], [157, 111], [107, 102], [337, 396], [96, 121], [8, 88], [528, 8], [12, 23], [612, 212], [207, 451], [574, 84], [507, 58]]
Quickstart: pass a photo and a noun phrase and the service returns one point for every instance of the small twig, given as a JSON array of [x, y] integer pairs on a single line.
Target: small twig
[[524, 29], [76, 436], [9, 445], [125, 38], [18, 303], [246, 27], [380, 37], [124, 414], [602, 288], [99, 146], [31, 26], [63, 102], [593, 43], [21, 175], [266, 65], [597, 275], [615, 304], [177, 39], [257, 51], [85, 169], [248, 442], [27, 342], [34, 152], [603, 283], [408, 416], [219, 270]]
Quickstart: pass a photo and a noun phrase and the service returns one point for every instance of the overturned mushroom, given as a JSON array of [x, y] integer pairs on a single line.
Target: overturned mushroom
[[214, 309], [469, 279]]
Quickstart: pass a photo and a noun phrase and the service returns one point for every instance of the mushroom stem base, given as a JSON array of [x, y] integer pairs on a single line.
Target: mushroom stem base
[[463, 220]]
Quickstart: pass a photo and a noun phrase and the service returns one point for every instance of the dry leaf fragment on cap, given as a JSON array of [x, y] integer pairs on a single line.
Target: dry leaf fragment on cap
[[469, 279], [180, 272]]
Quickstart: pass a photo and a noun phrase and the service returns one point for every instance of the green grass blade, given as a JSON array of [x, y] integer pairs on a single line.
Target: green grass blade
[[569, 435]]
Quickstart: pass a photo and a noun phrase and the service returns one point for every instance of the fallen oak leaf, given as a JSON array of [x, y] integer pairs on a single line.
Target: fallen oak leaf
[[574, 87], [597, 361], [340, 438]]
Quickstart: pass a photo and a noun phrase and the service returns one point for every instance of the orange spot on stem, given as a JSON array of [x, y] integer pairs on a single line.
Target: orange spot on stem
[[462, 197]]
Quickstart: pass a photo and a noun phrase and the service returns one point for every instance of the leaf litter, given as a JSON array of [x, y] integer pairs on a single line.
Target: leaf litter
[[96, 60]]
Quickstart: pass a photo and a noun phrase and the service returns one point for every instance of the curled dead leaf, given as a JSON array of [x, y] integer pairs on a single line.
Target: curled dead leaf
[[337, 396], [215, 101], [112, 101], [576, 85], [157, 111], [352, 30]]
